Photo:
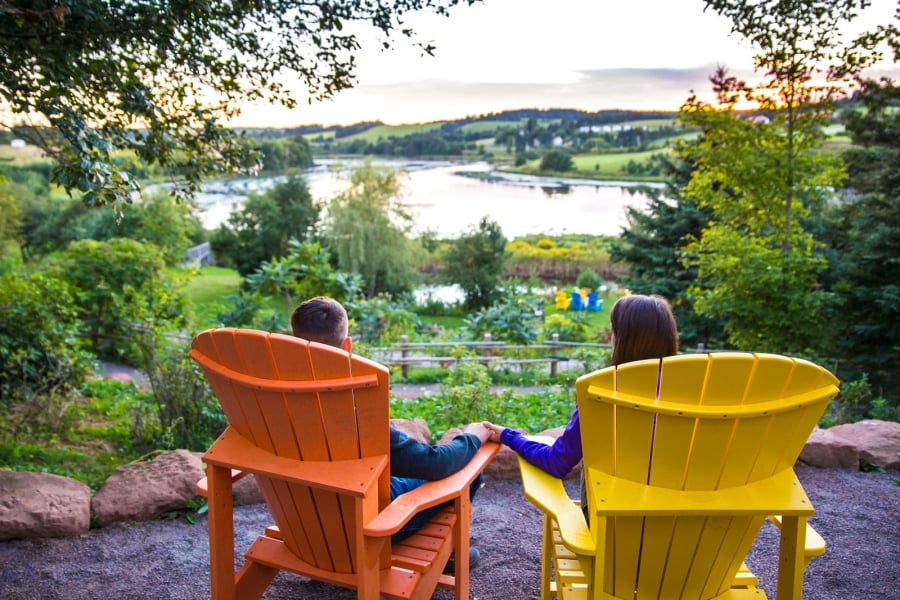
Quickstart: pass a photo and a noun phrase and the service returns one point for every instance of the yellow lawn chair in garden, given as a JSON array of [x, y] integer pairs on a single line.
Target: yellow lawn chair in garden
[[684, 459], [311, 423]]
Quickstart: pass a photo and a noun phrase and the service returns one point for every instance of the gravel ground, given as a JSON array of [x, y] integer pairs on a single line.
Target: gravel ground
[[857, 514]]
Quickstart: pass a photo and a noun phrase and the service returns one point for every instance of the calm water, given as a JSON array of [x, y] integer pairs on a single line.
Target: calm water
[[447, 203]]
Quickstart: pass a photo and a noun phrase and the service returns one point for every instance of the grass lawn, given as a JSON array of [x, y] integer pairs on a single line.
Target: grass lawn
[[209, 289], [213, 284]]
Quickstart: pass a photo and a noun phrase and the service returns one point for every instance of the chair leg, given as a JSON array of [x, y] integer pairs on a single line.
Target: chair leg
[[221, 533], [791, 558], [547, 587]]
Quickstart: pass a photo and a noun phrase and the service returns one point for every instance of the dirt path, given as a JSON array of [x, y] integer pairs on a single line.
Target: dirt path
[[168, 560]]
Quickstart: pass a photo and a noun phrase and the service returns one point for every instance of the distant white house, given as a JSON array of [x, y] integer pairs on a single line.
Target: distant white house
[[17, 143]]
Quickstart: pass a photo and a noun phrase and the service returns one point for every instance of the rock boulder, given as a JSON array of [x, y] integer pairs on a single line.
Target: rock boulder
[[41, 505], [826, 450], [143, 490], [878, 441]]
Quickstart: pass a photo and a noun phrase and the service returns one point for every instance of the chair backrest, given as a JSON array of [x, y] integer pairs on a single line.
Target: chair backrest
[[577, 301], [693, 422], [309, 402]]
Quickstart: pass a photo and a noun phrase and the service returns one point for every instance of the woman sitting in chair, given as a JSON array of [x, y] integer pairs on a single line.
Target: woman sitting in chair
[[643, 327]]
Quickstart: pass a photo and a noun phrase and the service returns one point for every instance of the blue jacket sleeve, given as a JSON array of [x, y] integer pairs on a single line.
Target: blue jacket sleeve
[[557, 459], [411, 458]]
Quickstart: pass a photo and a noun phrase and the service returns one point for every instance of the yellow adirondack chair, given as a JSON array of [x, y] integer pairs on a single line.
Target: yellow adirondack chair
[[684, 459], [311, 423]]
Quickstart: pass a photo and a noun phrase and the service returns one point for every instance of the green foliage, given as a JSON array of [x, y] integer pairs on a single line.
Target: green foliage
[[756, 264], [761, 181], [469, 399], [589, 279], [466, 397], [119, 287], [476, 262], [865, 248], [281, 154], [159, 221], [188, 413], [123, 76], [380, 320], [261, 230], [41, 353], [560, 258], [305, 272], [10, 217], [367, 229], [99, 433], [568, 329], [857, 402], [557, 160], [511, 320], [652, 246]]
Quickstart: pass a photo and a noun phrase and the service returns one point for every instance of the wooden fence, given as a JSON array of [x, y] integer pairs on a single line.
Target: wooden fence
[[554, 353], [496, 355]]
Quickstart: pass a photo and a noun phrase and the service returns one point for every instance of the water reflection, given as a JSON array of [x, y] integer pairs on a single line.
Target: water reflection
[[451, 198]]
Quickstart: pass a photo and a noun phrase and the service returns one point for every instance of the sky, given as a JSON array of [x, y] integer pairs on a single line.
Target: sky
[[509, 54]]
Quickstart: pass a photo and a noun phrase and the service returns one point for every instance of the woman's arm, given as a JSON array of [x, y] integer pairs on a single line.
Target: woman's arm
[[557, 459]]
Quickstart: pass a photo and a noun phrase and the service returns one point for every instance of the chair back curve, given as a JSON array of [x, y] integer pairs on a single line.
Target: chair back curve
[[681, 432], [309, 402]]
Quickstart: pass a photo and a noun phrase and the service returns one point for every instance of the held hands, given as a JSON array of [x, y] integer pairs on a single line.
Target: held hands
[[478, 430], [495, 430]]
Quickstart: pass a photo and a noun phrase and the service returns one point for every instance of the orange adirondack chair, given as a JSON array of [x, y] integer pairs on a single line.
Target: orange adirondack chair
[[311, 422], [684, 459]]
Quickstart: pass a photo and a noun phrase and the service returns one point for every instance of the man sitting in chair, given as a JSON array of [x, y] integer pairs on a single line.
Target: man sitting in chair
[[324, 320]]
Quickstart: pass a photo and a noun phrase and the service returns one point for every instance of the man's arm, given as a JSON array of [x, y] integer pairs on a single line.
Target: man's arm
[[411, 458]]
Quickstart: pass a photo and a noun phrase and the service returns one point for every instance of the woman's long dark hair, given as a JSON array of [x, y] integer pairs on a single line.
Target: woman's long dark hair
[[643, 327]]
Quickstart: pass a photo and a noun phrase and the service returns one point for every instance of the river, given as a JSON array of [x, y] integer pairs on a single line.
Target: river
[[445, 201]]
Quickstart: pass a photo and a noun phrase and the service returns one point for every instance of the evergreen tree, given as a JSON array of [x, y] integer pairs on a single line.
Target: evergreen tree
[[651, 246], [867, 247]]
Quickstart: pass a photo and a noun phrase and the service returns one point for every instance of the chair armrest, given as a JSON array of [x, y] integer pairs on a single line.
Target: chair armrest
[[815, 543], [202, 486], [355, 477], [547, 493], [431, 493]]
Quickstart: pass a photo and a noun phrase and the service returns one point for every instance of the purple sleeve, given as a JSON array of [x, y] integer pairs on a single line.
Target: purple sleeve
[[557, 459]]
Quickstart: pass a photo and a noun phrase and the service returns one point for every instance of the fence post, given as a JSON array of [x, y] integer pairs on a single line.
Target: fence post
[[404, 352], [486, 352], [554, 339]]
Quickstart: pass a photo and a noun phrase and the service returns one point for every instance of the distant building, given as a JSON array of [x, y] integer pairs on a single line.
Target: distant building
[[17, 143]]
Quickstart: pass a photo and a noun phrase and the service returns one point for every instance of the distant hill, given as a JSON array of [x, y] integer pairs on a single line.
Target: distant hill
[[504, 118]]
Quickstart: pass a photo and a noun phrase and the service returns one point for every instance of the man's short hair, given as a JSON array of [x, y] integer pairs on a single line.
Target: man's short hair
[[320, 319]]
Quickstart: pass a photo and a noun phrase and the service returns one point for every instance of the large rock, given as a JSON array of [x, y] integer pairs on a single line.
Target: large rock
[[416, 428], [41, 505], [246, 491], [144, 490], [826, 450], [878, 441]]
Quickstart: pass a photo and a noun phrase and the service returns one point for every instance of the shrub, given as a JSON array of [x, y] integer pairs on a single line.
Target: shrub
[[568, 330], [589, 279], [41, 353], [511, 320]]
